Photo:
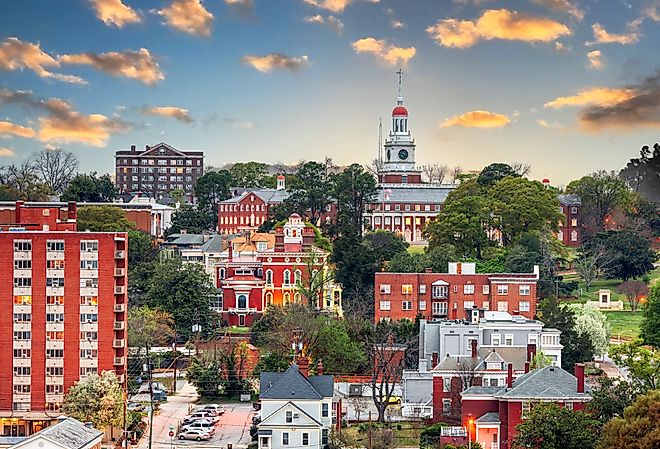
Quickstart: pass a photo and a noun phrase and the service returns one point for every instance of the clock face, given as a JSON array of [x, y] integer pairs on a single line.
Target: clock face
[[403, 154]]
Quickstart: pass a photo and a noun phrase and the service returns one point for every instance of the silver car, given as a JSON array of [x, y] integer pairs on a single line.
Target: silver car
[[194, 434]]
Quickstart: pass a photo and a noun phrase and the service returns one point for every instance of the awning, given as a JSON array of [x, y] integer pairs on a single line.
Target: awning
[[265, 432]]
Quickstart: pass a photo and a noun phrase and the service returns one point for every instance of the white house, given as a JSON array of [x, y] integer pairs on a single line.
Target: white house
[[296, 409], [66, 434]]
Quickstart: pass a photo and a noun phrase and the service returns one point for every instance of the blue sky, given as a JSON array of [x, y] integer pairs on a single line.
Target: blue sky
[[567, 86]]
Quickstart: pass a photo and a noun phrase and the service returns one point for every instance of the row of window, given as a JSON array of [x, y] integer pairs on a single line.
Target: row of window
[[160, 161], [57, 245], [162, 187], [56, 300], [440, 308], [251, 221], [397, 221], [304, 439], [241, 207], [50, 389], [442, 291], [409, 207], [161, 170]]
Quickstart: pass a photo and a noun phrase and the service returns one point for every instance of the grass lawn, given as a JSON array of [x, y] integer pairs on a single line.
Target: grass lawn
[[406, 434], [625, 324], [239, 330], [416, 249]]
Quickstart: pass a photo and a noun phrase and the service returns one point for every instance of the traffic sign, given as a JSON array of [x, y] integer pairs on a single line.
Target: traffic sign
[[171, 433]]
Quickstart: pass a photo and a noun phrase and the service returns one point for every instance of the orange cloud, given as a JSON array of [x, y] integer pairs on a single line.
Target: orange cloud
[[179, 114], [6, 152], [496, 24], [267, 63], [241, 7], [18, 55], [595, 61], [385, 52], [477, 119], [188, 16], [601, 96], [563, 6], [139, 65], [602, 36], [9, 128], [334, 5], [333, 22], [115, 12]]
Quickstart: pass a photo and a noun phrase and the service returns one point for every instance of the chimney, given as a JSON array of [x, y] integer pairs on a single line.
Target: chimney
[[17, 215], [319, 368], [303, 365], [146, 147], [509, 375], [526, 367], [434, 360], [72, 211], [132, 148], [531, 351], [428, 270], [473, 344], [579, 373]]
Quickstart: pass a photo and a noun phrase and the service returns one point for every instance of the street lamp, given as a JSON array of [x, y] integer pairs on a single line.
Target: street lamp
[[470, 422]]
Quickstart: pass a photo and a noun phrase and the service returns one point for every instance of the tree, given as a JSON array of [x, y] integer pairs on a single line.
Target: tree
[[590, 264], [436, 258], [642, 363], [338, 352], [462, 223], [639, 427], [249, 174], [140, 248], [495, 172], [55, 167], [593, 324], [435, 172], [650, 327], [103, 219], [204, 374], [96, 399], [310, 193], [210, 190], [315, 280], [611, 397], [634, 292], [24, 179], [385, 245], [641, 174], [90, 188], [630, 254], [273, 362], [8, 193], [353, 189], [601, 193], [522, 206], [356, 264], [149, 327], [191, 220], [551, 426]]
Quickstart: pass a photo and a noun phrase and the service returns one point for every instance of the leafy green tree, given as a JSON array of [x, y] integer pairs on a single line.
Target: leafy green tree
[[352, 189], [8, 193], [611, 397], [495, 172], [642, 363], [274, 362], [249, 174], [521, 206], [641, 174], [193, 221], [650, 327], [462, 223], [385, 245], [90, 188], [103, 219], [97, 399], [356, 264], [436, 258], [210, 190], [149, 327], [638, 428], [593, 324], [310, 193], [204, 374], [634, 291], [551, 426], [178, 195], [140, 248], [264, 324], [630, 254], [601, 193], [338, 352]]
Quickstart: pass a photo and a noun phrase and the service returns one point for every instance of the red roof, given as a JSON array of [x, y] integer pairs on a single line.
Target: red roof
[[399, 110], [546, 181]]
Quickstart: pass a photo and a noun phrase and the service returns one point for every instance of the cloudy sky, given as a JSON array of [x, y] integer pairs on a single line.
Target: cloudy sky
[[568, 86]]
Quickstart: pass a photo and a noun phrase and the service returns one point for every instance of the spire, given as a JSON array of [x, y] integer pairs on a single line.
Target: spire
[[399, 98], [380, 142]]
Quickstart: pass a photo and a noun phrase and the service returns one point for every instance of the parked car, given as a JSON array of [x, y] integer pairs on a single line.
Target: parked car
[[135, 407], [215, 408], [200, 415], [194, 434], [256, 419], [202, 424], [394, 400]]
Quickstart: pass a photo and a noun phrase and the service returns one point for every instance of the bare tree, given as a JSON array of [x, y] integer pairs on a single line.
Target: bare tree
[[374, 167], [435, 172], [590, 265], [21, 176], [456, 172], [634, 292], [358, 405], [521, 169], [56, 168], [466, 371], [316, 279]]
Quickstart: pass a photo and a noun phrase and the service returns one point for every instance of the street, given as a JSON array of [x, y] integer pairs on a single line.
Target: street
[[233, 427]]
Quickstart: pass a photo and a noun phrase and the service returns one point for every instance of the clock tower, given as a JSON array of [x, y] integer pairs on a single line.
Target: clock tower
[[398, 153]]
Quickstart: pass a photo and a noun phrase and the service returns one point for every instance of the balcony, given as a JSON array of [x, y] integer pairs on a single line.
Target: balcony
[[120, 272], [119, 361], [118, 344], [494, 446], [120, 254], [119, 326], [120, 308], [120, 289], [239, 310]]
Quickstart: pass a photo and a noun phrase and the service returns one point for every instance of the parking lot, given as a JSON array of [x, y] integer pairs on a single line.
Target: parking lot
[[233, 427]]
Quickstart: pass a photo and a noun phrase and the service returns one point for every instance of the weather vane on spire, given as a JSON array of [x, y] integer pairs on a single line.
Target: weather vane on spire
[[400, 74]]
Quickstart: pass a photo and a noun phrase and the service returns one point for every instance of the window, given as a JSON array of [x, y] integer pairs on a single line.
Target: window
[[568, 405], [440, 292], [88, 246], [508, 340], [54, 371], [54, 389], [385, 289], [22, 245], [54, 317], [526, 408], [54, 335], [22, 317], [422, 305], [486, 305], [495, 339], [89, 283], [89, 336], [285, 438], [242, 301], [298, 276], [422, 289], [286, 277], [305, 439], [25, 264], [287, 299], [55, 245], [21, 371], [89, 300], [89, 353], [324, 410], [22, 282], [406, 305], [574, 222], [89, 264], [446, 406], [485, 289], [574, 236], [324, 437], [385, 305], [22, 353], [502, 289], [89, 317], [574, 210], [407, 207], [21, 389], [54, 353], [524, 290], [439, 308], [468, 305], [406, 289], [23, 300], [55, 264], [523, 306], [54, 282], [468, 289], [502, 306]]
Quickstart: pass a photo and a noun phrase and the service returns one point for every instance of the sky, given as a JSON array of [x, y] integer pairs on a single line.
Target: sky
[[568, 86]]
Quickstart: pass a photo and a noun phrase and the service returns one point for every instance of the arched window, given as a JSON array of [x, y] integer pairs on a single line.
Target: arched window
[[241, 301], [298, 276], [269, 277], [297, 298], [287, 299], [269, 299], [260, 272], [222, 273], [286, 280]]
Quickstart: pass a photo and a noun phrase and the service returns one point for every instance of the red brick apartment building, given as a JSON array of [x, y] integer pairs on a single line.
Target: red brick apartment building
[[65, 294], [457, 295]]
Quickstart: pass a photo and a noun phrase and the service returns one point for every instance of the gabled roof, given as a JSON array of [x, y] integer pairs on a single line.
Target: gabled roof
[[288, 405], [423, 194], [489, 418], [550, 382], [216, 244], [568, 199], [69, 434], [293, 385], [268, 196]]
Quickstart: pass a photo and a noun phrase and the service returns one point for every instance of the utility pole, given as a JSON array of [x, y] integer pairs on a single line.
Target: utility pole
[[175, 361], [124, 442], [370, 439], [151, 398]]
